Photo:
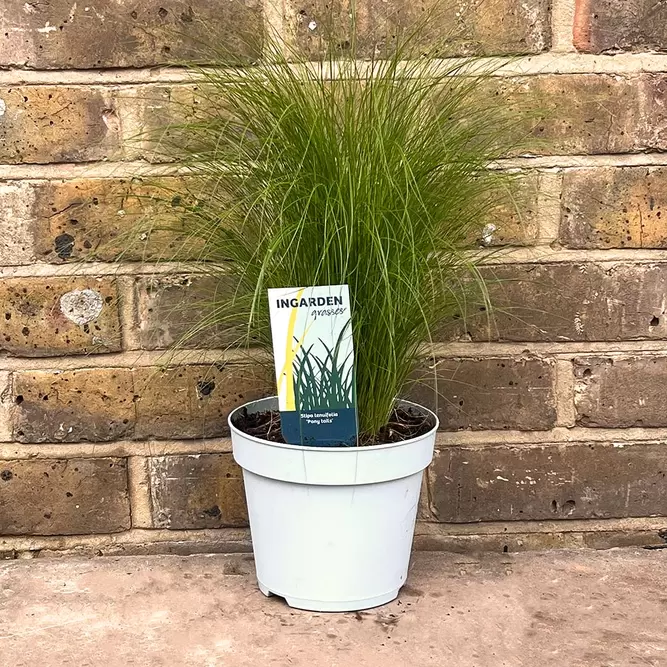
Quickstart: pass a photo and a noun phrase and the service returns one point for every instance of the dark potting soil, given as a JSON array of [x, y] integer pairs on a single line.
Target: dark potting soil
[[404, 424]]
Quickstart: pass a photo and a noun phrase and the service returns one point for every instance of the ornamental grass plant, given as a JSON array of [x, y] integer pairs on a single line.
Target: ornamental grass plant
[[367, 172]]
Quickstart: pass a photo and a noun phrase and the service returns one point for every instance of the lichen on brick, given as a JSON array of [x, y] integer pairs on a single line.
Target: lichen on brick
[[56, 316], [81, 306]]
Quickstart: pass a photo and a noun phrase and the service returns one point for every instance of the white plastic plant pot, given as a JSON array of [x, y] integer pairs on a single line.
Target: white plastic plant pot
[[332, 527]]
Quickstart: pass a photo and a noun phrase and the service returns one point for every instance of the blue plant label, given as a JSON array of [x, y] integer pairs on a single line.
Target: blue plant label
[[314, 358]]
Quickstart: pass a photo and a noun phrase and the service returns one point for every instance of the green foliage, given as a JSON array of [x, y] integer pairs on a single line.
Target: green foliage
[[371, 173], [324, 383]]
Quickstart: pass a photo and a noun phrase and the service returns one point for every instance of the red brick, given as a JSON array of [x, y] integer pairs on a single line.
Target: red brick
[[620, 25], [549, 482]]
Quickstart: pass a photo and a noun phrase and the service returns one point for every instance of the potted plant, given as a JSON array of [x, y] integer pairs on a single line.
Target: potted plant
[[367, 173]]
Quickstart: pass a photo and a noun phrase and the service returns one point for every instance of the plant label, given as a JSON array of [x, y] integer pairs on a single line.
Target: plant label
[[314, 358]]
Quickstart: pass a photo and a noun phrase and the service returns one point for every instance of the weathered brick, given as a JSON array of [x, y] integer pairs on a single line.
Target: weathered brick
[[548, 482], [5, 406], [56, 316], [489, 393], [193, 401], [104, 404], [165, 109], [535, 302], [514, 221], [93, 405], [620, 25], [16, 241], [168, 307], [63, 497], [41, 124], [614, 207], [621, 392], [586, 113], [201, 491], [121, 33], [461, 27], [551, 114], [107, 219]]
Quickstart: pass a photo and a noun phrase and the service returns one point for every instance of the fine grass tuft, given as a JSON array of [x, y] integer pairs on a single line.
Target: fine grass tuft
[[371, 173]]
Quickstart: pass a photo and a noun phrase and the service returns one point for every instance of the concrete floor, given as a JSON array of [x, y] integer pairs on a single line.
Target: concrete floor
[[566, 609]]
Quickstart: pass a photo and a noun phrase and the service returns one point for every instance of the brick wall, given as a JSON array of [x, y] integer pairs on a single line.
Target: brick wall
[[554, 413]]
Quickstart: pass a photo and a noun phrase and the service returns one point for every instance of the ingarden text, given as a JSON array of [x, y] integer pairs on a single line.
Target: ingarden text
[[310, 302]]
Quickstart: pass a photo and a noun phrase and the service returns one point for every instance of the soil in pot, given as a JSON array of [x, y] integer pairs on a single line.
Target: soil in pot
[[404, 424]]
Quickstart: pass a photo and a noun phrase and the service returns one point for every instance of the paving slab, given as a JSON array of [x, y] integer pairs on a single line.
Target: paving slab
[[561, 609]]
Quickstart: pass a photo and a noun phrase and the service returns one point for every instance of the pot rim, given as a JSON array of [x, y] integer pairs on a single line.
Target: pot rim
[[357, 448]]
